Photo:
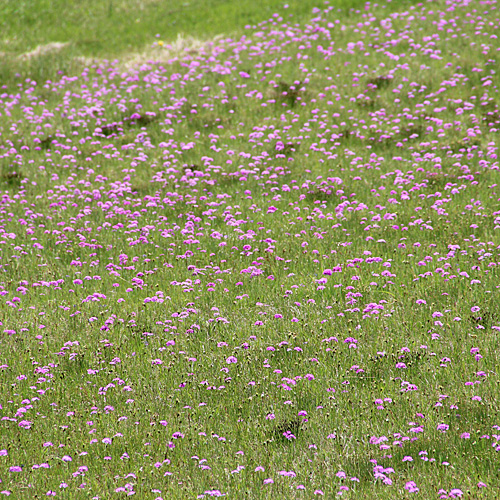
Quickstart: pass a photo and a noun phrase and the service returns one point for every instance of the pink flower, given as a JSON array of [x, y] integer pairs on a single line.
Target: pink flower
[[411, 487]]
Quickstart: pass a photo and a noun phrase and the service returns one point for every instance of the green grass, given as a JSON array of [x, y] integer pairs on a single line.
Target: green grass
[[103, 210], [108, 28]]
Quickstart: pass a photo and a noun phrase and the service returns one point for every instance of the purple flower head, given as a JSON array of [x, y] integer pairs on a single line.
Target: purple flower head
[[411, 486]]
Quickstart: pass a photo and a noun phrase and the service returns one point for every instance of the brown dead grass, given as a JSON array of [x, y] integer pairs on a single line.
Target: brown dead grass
[[43, 50], [182, 47]]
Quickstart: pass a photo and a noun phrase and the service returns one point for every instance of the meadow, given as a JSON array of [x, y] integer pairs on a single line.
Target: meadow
[[254, 263]]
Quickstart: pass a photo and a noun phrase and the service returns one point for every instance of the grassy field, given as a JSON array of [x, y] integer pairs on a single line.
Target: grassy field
[[261, 265], [117, 28], [108, 28]]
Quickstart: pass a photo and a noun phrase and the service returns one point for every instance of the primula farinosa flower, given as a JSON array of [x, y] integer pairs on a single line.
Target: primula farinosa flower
[[475, 309], [231, 360], [66, 458], [287, 473], [411, 486], [443, 427], [465, 435], [15, 468], [214, 493], [268, 481]]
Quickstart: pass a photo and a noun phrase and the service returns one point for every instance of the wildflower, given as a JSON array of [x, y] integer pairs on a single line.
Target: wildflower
[[411, 486]]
